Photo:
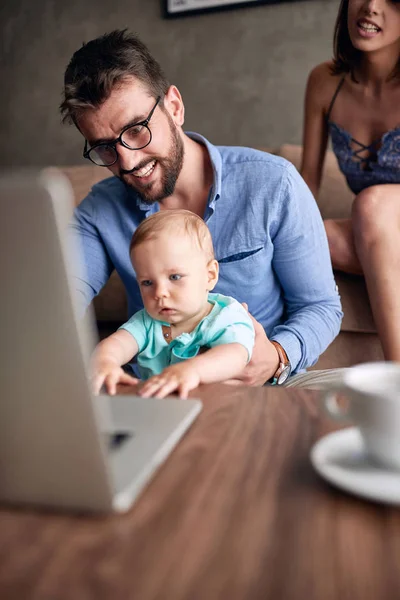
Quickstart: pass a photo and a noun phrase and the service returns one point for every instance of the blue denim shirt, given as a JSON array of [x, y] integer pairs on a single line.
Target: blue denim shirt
[[268, 237]]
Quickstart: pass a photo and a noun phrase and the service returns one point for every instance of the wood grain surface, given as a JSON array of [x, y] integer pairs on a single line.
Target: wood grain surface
[[235, 513]]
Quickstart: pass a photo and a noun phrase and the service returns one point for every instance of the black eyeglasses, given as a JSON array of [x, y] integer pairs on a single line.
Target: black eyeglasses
[[133, 137]]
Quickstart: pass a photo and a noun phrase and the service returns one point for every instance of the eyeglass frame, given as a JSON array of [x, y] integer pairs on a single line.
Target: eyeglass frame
[[119, 140]]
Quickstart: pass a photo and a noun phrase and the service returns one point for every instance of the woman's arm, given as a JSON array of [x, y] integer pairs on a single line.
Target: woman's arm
[[108, 358], [320, 89]]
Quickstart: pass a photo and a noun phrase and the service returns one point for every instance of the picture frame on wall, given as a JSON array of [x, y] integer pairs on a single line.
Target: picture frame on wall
[[179, 8]]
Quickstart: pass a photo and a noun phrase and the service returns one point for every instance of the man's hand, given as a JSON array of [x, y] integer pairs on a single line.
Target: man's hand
[[264, 361], [182, 377], [109, 374]]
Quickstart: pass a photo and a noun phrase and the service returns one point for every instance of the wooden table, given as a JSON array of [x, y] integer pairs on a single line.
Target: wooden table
[[237, 512]]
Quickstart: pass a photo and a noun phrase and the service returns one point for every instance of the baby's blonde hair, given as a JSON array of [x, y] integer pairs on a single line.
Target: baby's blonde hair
[[175, 221]]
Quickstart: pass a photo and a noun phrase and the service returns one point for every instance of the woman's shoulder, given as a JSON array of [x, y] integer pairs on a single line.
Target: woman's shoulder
[[322, 83], [322, 76]]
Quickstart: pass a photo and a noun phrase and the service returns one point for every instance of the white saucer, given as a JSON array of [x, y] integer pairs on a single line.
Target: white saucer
[[340, 458]]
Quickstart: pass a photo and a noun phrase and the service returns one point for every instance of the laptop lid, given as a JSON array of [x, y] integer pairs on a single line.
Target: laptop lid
[[54, 436], [49, 430]]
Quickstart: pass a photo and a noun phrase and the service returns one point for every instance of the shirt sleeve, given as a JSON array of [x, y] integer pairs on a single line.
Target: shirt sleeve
[[303, 266], [138, 328], [232, 325], [96, 267]]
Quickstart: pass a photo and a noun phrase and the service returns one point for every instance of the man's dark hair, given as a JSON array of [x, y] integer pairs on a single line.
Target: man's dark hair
[[346, 58], [104, 62]]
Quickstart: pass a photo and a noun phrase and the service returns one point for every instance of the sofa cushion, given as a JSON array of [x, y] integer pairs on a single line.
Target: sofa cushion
[[351, 348], [355, 304], [83, 178]]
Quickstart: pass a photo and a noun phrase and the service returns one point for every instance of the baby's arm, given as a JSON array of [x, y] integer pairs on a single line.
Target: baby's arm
[[217, 364], [108, 357]]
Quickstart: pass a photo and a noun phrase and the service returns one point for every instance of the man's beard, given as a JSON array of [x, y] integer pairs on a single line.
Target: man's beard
[[170, 170]]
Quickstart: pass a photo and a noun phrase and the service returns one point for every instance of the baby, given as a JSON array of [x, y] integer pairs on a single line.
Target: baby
[[185, 335]]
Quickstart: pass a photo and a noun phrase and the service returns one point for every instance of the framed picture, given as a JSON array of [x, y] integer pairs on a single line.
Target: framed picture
[[178, 8]]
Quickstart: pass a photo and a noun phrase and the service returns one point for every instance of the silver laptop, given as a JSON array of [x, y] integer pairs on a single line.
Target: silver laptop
[[59, 446]]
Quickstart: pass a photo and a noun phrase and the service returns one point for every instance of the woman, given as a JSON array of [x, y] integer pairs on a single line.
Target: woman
[[356, 100]]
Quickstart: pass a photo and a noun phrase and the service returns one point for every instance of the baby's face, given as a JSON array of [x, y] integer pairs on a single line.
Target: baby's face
[[174, 276]]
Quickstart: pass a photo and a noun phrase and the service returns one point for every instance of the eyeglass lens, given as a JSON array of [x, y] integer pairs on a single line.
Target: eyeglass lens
[[134, 138]]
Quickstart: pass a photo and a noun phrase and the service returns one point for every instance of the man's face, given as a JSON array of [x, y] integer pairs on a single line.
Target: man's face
[[152, 171]]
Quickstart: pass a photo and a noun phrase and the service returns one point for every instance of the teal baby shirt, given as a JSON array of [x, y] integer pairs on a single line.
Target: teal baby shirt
[[227, 323]]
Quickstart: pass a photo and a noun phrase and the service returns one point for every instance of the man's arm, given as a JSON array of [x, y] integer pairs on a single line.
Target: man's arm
[[94, 266], [302, 264]]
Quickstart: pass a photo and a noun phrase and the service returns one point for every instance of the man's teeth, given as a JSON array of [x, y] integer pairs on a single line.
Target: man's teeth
[[368, 27], [146, 170]]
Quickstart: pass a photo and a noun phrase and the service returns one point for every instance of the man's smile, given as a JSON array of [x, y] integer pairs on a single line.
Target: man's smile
[[145, 171]]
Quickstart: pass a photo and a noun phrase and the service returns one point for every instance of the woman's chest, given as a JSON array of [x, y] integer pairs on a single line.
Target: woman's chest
[[367, 119]]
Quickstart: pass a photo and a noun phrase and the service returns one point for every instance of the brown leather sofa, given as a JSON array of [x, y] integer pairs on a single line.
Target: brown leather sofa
[[357, 341]]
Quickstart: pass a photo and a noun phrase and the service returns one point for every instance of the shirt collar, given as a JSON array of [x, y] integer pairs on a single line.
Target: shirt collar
[[216, 163]]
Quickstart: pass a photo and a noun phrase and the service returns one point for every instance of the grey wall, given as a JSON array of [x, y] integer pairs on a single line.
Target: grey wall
[[242, 73]]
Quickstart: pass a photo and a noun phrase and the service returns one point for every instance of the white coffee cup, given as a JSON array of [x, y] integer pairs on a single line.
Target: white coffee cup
[[372, 391]]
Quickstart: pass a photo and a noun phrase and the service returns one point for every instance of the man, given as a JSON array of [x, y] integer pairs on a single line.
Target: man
[[267, 231]]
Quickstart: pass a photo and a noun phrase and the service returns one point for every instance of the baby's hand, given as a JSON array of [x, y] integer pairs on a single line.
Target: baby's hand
[[109, 374], [182, 377]]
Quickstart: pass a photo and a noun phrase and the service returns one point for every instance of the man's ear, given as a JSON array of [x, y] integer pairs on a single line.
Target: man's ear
[[174, 105], [213, 271]]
